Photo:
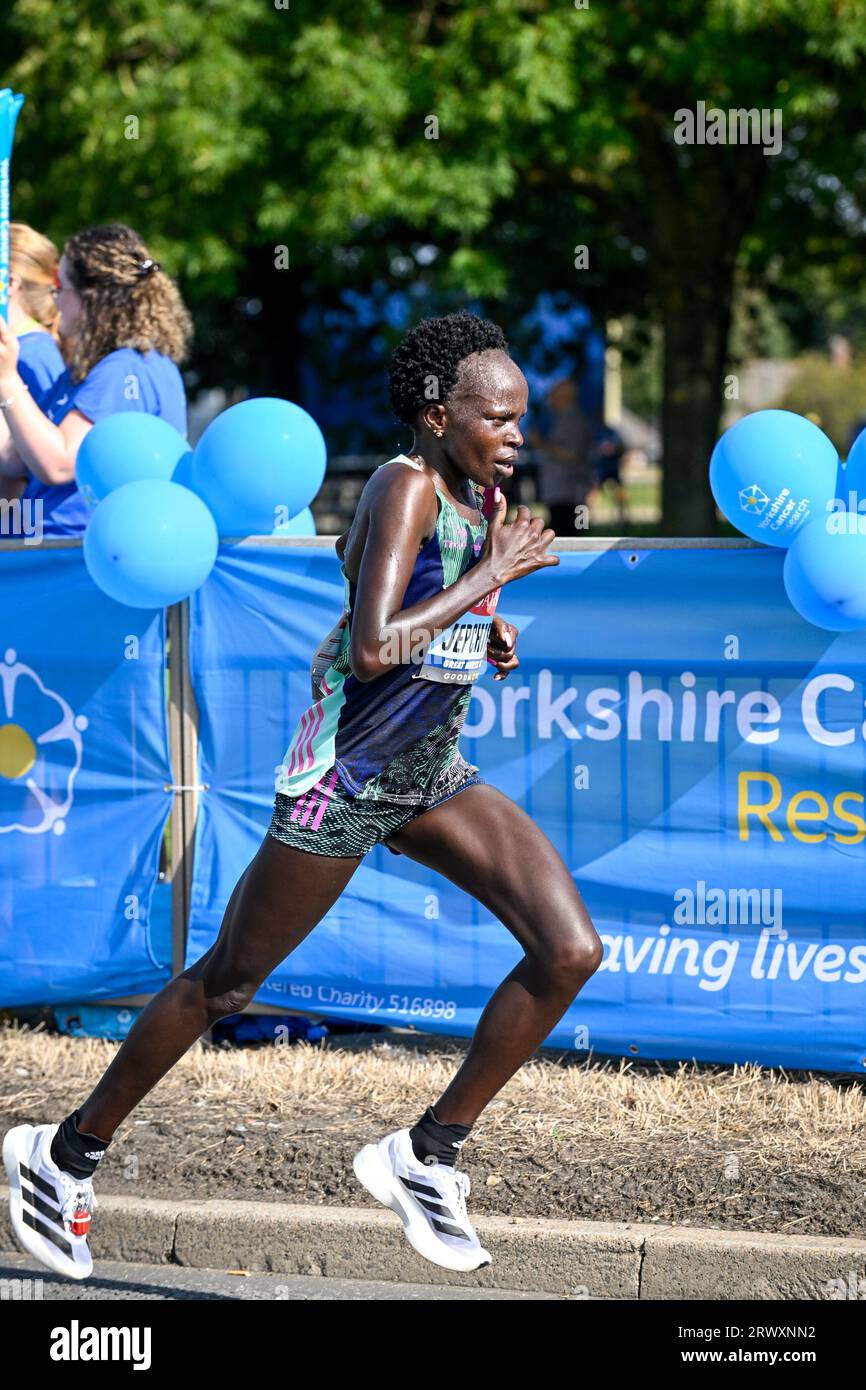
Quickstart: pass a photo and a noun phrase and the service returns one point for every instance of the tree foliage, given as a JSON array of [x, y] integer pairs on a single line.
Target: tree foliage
[[455, 149]]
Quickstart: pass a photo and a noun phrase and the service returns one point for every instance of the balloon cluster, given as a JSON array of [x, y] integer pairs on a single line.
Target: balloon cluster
[[778, 478], [160, 508]]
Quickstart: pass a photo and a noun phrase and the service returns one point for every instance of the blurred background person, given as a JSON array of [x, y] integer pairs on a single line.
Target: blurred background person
[[125, 329], [608, 448], [564, 472], [35, 320]]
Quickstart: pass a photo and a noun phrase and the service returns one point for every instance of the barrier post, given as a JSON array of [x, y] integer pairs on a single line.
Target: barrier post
[[183, 721]]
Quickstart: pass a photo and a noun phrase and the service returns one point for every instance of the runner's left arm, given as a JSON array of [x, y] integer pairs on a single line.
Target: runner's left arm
[[502, 647]]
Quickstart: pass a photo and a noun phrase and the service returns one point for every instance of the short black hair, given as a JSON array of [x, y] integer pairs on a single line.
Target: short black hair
[[428, 359]]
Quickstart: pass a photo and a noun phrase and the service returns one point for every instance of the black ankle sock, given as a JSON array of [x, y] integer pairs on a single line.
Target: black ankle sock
[[433, 1142], [74, 1152]]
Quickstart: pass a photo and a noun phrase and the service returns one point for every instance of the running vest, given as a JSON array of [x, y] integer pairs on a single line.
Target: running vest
[[391, 737]]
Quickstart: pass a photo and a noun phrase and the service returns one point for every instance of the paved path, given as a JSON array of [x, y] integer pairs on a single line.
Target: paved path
[[114, 1280]]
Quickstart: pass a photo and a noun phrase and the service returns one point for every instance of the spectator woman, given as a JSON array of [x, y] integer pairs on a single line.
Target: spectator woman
[[35, 321], [125, 330]]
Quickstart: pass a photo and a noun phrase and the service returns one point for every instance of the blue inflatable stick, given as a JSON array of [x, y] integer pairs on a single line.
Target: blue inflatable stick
[[10, 105]]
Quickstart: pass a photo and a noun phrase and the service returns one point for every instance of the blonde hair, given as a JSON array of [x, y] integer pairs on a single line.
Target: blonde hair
[[33, 257], [127, 300]]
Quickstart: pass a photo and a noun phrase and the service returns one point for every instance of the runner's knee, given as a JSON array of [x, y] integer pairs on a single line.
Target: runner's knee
[[230, 1001], [569, 959], [229, 986]]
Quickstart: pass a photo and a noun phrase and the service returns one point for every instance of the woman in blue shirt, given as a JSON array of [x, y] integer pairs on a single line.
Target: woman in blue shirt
[[125, 329], [34, 319]]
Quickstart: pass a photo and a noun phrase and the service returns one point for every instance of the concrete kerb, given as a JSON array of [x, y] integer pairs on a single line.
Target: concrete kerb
[[594, 1259]]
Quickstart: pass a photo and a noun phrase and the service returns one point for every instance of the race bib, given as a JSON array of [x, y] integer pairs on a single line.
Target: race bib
[[459, 654]]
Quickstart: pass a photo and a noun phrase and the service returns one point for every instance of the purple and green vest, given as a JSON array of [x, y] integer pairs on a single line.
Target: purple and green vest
[[390, 737]]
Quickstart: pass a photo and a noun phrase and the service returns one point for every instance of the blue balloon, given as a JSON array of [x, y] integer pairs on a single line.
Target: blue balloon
[[258, 460], [183, 473], [852, 475], [150, 543], [841, 492], [825, 571], [771, 472], [125, 448], [303, 524]]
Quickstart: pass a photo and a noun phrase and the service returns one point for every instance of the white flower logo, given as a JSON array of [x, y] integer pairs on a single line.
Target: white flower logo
[[753, 499], [40, 752]]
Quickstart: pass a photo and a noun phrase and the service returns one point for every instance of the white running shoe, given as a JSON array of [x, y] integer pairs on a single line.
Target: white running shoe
[[50, 1208], [430, 1200]]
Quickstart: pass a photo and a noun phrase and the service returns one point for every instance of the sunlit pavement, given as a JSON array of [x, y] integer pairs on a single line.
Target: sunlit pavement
[[116, 1280]]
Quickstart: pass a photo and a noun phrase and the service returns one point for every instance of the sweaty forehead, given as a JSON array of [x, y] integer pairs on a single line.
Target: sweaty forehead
[[490, 376]]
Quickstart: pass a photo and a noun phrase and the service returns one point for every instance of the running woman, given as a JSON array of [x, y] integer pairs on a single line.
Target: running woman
[[375, 759]]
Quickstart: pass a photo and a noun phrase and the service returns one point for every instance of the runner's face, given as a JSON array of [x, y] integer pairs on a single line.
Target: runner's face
[[68, 300], [482, 417]]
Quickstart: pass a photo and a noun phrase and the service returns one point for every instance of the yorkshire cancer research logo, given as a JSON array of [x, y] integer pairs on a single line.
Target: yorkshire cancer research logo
[[40, 752], [753, 500]]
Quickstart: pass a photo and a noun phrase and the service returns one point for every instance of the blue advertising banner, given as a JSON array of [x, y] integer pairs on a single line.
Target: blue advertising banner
[[694, 750], [83, 766]]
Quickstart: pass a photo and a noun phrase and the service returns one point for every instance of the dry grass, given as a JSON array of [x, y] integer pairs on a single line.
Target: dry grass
[[732, 1147], [779, 1120]]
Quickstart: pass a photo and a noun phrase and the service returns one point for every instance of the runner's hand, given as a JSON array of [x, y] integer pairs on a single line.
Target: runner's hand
[[518, 549], [501, 647]]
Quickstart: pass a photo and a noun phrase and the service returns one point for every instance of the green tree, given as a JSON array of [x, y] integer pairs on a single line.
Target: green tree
[[465, 147], [834, 396], [556, 128]]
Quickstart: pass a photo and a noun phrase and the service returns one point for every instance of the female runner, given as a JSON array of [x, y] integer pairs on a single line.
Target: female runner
[[374, 759]]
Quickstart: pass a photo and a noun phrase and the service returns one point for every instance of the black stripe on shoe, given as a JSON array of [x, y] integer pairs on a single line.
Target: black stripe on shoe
[[420, 1187], [44, 1208], [39, 1183], [45, 1231], [449, 1230], [437, 1208]]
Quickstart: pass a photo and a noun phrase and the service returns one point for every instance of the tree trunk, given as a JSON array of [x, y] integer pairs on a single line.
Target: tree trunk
[[702, 201], [696, 321]]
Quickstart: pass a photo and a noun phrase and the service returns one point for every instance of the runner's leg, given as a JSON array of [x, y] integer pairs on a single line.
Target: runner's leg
[[486, 844], [278, 900]]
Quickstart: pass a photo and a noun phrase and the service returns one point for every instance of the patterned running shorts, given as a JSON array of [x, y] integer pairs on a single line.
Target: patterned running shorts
[[325, 820]]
